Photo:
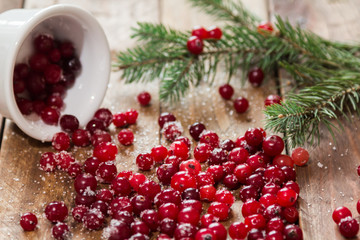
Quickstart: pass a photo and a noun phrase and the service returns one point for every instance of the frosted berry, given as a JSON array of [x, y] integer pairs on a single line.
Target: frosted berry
[[47, 162], [300, 156], [140, 227], [340, 213], [195, 45], [105, 151], [172, 130], [60, 231], [241, 104], [210, 137], [166, 117], [104, 195], [226, 91], [93, 219], [126, 137], [100, 136], [196, 129], [95, 124], [220, 210], [144, 161], [256, 77], [200, 32], [78, 212], [144, 98], [272, 99], [104, 115], [56, 211], [119, 119], [121, 186], [28, 221], [61, 141], [185, 231], [214, 33], [106, 172], [64, 160], [69, 123], [85, 199], [131, 116], [81, 137], [74, 169], [85, 182]]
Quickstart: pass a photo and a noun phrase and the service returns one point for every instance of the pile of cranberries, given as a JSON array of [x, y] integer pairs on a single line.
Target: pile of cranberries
[[195, 43], [129, 205], [41, 84]]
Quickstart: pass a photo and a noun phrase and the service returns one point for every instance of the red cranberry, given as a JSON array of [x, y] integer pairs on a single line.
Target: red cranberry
[[202, 152], [290, 214], [174, 160], [69, 123], [67, 49], [60, 231], [275, 224], [270, 187], [210, 138], [72, 65], [192, 166], [126, 137], [120, 204], [205, 178], [52, 73], [208, 219], [19, 86], [95, 124], [50, 115], [144, 98], [172, 130], [248, 192], [195, 45], [159, 153], [166, 117], [274, 174], [131, 116], [283, 160], [190, 194], [189, 215], [256, 180], [251, 207], [61, 141], [205, 234], [286, 197], [272, 99], [104, 195], [214, 32], [207, 193], [91, 165], [28, 221], [47, 162], [151, 218], [85, 199], [224, 196], [121, 186], [289, 172], [35, 84], [117, 230], [168, 210], [265, 28], [168, 196], [197, 205], [68, 79], [104, 115], [196, 129], [238, 230], [105, 151], [219, 230], [124, 216], [349, 227], [55, 101], [136, 180], [292, 185], [218, 156], [106, 172], [101, 205], [182, 180], [220, 210], [255, 234], [272, 211], [100, 136], [93, 219], [84, 183], [231, 182], [256, 77], [64, 160], [168, 226], [149, 189], [119, 119], [78, 212], [185, 230], [227, 145], [74, 169], [242, 172], [38, 62], [165, 173], [139, 236], [267, 199], [253, 136], [54, 55], [179, 149], [200, 32], [273, 145], [144, 161], [43, 43], [25, 106], [217, 172], [300, 156], [21, 71], [140, 227], [241, 104], [340, 213], [81, 137], [226, 91], [255, 221], [293, 232], [56, 211]]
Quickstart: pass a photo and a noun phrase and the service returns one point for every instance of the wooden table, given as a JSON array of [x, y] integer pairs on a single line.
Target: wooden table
[[328, 181]]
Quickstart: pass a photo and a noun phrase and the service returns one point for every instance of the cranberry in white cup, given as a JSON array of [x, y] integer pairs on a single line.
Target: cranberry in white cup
[[19, 27]]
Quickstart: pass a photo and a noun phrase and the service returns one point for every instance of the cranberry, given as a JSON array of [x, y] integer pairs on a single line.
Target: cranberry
[[126, 137], [165, 172], [255, 162], [241, 104], [238, 230], [140, 227], [54, 55], [25, 106], [292, 185], [273, 145], [43, 43], [270, 187], [214, 32], [275, 224], [131, 116], [172, 130], [182, 180], [179, 149], [102, 206], [136, 180], [67, 78], [274, 174], [300, 156], [220, 210], [219, 230], [149, 189], [119, 119], [196, 129], [290, 214], [196, 204], [195, 45], [218, 156], [104, 195], [185, 230], [243, 171], [55, 101], [255, 234], [81, 137], [85, 199], [144, 161], [286, 197], [272, 99], [256, 180], [217, 172], [78, 212], [35, 84], [202, 152], [139, 236], [117, 230], [208, 219], [159, 153], [144, 98], [166, 117], [255, 221], [50, 115], [74, 169], [56, 211], [47, 162], [106, 172], [272, 211], [52, 73], [283, 160], [168, 210], [210, 138], [67, 49], [192, 166], [21, 71], [85, 182], [205, 178], [293, 232], [91, 165], [248, 192], [200, 32], [151, 218], [104, 115], [72, 65], [251, 207], [105, 151], [168, 226], [267, 199], [168, 196], [124, 216], [38, 62], [289, 173], [61, 141], [231, 182], [69, 123], [253, 136], [100, 136], [121, 186], [224, 196], [95, 124], [349, 227], [226, 91], [60, 231], [93, 219], [205, 234], [189, 215], [340, 213], [19, 86], [28, 221], [207, 193], [120, 204], [64, 160], [174, 160], [256, 77]]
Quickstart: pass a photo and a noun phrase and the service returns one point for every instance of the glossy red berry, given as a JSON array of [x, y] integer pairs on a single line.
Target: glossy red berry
[[300, 156], [119, 119], [208, 219], [100, 136], [195, 45], [47, 162], [293, 232], [220, 210], [217, 172], [105, 151], [81, 137], [126, 137], [168, 210], [210, 137], [183, 180], [241, 104], [69, 123], [144, 98], [251, 207], [52, 73], [200, 32], [140, 203], [172, 130], [214, 33], [340, 213], [106, 172], [226, 91], [272, 99], [202, 152], [192, 166], [290, 214], [165, 172], [105, 115], [144, 161], [140, 227], [253, 136], [28, 221], [121, 186], [136, 180], [256, 77], [60, 231], [219, 230], [166, 117], [185, 231], [38, 62], [273, 145], [74, 169], [207, 193], [93, 219], [50, 115], [91, 165], [159, 153], [189, 215], [78, 212], [84, 183], [349, 227], [205, 234], [149, 189], [243, 171], [238, 230], [196, 129], [56, 211], [283, 160], [179, 149], [151, 218], [131, 116], [255, 221], [286, 197], [225, 196]]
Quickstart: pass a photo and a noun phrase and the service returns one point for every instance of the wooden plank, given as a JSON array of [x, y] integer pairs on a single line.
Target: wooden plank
[[24, 187], [330, 179], [204, 104]]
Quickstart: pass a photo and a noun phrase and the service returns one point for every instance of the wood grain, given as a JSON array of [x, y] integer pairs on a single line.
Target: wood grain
[[330, 180]]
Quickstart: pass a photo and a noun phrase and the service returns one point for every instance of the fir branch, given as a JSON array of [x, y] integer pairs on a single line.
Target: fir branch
[[227, 10], [300, 116]]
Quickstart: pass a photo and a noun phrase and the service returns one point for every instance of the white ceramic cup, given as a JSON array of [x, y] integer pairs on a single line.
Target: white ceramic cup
[[18, 27]]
